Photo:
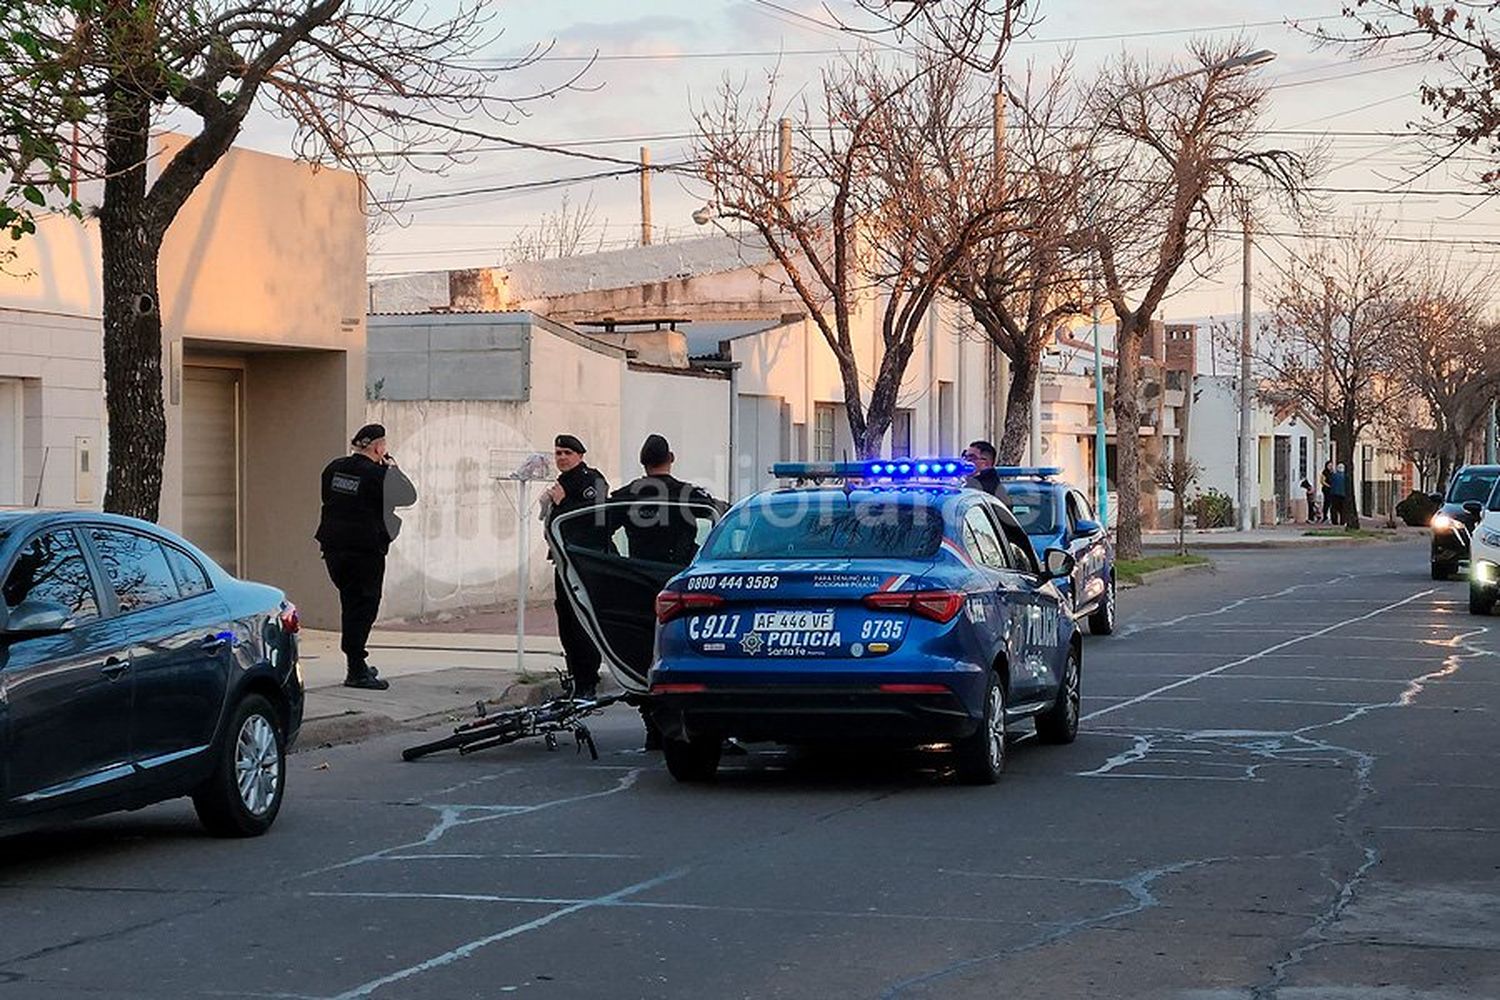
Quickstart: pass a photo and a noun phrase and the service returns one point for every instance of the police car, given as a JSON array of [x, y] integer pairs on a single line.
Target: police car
[[862, 605], [1057, 515]]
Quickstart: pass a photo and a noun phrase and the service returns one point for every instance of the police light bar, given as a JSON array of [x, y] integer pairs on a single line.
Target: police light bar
[[893, 469], [1028, 471]]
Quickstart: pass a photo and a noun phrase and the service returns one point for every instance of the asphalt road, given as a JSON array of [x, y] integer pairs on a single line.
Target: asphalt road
[[1284, 788]]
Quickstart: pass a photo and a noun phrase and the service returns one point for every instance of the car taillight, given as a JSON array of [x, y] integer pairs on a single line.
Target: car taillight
[[938, 605], [289, 620], [672, 604]]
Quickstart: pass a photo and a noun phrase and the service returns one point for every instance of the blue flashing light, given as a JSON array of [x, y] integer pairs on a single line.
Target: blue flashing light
[[1028, 471], [908, 469]]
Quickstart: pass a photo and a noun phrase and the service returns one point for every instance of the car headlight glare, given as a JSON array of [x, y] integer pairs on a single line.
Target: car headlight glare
[[1484, 572], [1441, 522]]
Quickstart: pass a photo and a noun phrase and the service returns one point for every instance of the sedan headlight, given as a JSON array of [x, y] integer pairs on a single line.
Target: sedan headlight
[[1483, 572], [1441, 522]]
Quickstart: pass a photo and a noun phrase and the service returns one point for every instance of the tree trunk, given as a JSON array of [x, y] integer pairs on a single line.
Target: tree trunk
[[1127, 437], [132, 315], [1343, 439], [1017, 433]]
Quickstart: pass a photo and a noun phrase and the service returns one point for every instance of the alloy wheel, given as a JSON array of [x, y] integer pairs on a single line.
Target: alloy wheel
[[257, 765]]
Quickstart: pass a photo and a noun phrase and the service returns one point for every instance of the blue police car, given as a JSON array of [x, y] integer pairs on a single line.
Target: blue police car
[[872, 609], [1057, 515]]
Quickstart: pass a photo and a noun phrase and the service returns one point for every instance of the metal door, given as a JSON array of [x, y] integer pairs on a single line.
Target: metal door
[[211, 462]]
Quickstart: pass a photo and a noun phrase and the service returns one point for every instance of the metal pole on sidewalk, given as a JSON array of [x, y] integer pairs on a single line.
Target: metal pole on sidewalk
[[1249, 460], [1489, 437], [523, 572]]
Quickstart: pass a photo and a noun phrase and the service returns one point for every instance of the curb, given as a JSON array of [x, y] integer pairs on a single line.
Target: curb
[[1165, 573], [1300, 542], [356, 727]]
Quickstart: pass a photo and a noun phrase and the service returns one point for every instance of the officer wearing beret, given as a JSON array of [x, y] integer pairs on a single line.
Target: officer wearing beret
[[577, 486], [360, 495]]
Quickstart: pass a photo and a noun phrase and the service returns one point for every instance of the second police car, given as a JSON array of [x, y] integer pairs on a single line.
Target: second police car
[[1056, 515], [860, 606]]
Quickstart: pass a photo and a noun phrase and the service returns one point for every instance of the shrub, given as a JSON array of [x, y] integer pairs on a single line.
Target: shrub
[[1214, 509], [1417, 509]]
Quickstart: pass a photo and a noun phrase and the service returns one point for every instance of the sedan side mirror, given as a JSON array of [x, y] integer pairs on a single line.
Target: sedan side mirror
[[1058, 563], [1474, 507], [1083, 527], [37, 618]]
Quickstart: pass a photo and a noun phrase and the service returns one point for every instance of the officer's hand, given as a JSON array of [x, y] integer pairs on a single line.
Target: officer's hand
[[556, 493]]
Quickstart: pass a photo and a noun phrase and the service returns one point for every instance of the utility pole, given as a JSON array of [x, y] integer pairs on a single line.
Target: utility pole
[[645, 196], [1247, 440], [1489, 437]]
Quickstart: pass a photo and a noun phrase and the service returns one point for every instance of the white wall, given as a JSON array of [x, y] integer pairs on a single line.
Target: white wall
[[690, 411]]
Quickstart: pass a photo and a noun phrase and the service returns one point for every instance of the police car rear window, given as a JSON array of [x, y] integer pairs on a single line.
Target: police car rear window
[[828, 527], [1034, 507]]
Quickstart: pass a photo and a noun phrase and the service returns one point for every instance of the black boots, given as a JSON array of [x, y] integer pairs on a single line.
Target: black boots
[[368, 679]]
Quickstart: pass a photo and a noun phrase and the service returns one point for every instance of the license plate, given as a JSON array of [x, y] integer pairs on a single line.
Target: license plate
[[794, 621]]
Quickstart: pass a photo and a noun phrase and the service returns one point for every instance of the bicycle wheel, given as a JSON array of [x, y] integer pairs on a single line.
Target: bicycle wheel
[[487, 730]]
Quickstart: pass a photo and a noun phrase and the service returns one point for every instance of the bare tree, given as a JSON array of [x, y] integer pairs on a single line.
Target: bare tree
[[1178, 477], [1447, 353], [1457, 37], [363, 82], [1177, 154], [1328, 347], [976, 33], [567, 232], [1023, 278], [838, 224]]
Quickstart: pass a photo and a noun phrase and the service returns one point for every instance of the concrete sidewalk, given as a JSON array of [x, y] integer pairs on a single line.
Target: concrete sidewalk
[[1277, 537], [433, 675]]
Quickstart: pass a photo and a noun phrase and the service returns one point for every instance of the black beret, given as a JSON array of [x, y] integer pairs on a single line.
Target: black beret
[[367, 434], [655, 451], [569, 442]]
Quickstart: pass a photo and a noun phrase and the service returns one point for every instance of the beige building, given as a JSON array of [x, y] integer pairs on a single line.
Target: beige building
[[262, 293]]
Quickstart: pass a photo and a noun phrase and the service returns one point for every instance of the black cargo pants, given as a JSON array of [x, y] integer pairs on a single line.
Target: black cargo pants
[[359, 577]]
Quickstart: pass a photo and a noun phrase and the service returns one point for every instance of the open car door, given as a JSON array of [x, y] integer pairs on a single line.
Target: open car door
[[614, 558]]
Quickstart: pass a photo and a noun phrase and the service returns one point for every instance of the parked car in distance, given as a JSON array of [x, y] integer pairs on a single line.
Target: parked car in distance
[[133, 669], [1460, 510]]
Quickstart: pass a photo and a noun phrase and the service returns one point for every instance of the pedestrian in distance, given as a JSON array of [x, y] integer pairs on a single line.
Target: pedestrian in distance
[[360, 494], [1326, 486], [1340, 489], [661, 534], [578, 486], [986, 477]]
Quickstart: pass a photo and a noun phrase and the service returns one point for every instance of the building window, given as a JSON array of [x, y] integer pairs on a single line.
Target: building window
[[823, 416], [901, 434]]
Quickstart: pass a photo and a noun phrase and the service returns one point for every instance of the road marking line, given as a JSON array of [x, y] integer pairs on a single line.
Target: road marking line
[[465, 950], [1252, 657]]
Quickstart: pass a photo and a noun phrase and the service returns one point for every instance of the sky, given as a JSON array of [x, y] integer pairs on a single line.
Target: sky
[[659, 59]]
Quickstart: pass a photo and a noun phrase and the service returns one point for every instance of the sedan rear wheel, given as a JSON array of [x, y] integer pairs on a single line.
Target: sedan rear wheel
[[243, 795], [1444, 570], [1059, 724], [981, 756], [693, 760], [1102, 621]]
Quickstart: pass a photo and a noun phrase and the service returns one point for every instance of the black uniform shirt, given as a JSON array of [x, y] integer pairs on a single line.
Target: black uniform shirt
[[359, 500], [582, 487], [659, 533], [990, 482]]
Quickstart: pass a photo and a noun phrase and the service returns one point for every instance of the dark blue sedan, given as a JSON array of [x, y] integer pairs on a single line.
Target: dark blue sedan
[[877, 612], [132, 670], [1057, 515]]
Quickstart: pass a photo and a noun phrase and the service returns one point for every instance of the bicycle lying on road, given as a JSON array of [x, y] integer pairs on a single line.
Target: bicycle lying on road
[[547, 720]]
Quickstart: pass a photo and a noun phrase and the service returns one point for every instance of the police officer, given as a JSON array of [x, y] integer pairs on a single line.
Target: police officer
[[577, 486], [360, 494], [660, 534], [986, 477]]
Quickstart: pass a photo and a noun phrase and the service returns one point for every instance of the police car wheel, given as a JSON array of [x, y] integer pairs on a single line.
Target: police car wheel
[[693, 760], [981, 756], [1481, 601], [1059, 724], [1102, 621]]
